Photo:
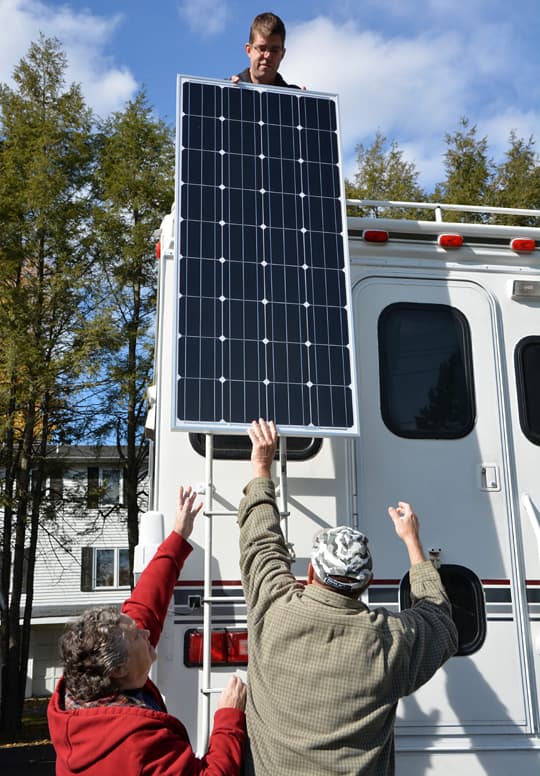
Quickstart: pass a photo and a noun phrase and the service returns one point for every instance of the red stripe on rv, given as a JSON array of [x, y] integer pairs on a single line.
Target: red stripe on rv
[[238, 582]]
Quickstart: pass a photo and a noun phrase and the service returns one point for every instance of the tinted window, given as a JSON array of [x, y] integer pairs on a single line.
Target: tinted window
[[123, 568], [104, 568], [238, 446], [110, 486], [426, 371], [528, 382], [466, 595]]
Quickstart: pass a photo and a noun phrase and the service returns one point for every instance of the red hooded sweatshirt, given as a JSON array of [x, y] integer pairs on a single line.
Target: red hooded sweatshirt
[[135, 740]]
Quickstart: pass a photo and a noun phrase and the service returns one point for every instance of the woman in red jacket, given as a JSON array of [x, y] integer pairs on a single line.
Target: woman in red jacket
[[106, 716]]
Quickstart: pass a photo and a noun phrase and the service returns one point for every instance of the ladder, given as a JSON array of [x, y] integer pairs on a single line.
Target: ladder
[[209, 600]]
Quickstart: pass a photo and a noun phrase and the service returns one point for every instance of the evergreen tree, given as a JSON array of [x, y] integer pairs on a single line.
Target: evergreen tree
[[383, 174], [469, 170], [516, 182], [45, 174], [136, 188]]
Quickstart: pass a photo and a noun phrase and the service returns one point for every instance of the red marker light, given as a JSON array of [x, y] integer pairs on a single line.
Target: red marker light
[[158, 250], [450, 240], [522, 245], [375, 235]]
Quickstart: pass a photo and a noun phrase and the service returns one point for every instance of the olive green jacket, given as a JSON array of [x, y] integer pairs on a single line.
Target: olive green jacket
[[325, 672]]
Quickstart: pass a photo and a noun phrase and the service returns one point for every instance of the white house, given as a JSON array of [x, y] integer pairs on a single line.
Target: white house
[[82, 555]]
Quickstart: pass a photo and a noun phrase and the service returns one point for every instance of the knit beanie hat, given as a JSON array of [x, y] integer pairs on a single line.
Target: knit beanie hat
[[342, 552]]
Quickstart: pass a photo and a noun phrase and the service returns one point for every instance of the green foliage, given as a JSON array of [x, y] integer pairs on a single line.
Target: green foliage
[[383, 174], [135, 185], [79, 206], [46, 159], [516, 182], [45, 172], [469, 170], [472, 177]]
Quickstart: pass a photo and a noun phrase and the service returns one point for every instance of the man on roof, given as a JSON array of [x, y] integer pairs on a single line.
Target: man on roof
[[265, 50]]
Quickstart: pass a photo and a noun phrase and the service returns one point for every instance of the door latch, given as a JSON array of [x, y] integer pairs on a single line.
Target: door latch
[[489, 477]]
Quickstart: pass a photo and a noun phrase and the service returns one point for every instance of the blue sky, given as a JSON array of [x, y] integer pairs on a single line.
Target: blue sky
[[410, 68]]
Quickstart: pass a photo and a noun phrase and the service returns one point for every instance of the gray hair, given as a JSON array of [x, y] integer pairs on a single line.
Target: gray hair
[[93, 647]]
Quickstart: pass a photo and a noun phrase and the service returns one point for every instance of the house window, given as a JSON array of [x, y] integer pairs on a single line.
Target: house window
[[527, 363], [104, 487], [426, 373], [55, 484], [104, 567]]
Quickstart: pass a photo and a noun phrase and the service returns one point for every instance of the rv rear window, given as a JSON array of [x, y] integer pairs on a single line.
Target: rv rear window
[[238, 447], [527, 361], [426, 373]]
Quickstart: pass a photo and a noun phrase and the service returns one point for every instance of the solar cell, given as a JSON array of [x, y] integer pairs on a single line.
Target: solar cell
[[264, 325]]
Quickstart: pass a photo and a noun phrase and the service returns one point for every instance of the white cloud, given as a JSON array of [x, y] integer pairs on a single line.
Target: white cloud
[[84, 38], [415, 87], [381, 83], [498, 128], [205, 17]]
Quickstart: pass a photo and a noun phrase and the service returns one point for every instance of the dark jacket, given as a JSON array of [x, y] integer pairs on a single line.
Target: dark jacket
[[245, 78]]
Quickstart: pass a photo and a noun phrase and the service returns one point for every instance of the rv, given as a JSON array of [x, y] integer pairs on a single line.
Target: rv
[[446, 316]]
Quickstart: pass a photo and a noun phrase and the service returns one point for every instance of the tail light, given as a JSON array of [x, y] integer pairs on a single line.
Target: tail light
[[227, 648]]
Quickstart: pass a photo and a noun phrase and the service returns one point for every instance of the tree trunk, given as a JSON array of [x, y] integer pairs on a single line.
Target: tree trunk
[[15, 675]]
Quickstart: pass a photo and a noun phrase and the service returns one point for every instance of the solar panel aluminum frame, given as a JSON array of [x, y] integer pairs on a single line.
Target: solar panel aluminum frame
[[213, 425]]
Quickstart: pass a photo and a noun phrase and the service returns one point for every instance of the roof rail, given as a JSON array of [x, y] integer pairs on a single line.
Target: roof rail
[[439, 207]]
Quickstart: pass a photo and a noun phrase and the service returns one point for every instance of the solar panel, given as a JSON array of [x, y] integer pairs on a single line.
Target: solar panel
[[264, 325]]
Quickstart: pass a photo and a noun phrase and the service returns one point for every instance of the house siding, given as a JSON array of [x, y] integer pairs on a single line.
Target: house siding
[[69, 525]]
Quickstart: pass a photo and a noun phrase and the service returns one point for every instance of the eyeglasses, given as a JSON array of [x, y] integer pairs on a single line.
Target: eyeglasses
[[272, 50]]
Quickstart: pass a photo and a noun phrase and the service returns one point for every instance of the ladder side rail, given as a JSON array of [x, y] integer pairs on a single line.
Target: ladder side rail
[[207, 590], [283, 492], [208, 599]]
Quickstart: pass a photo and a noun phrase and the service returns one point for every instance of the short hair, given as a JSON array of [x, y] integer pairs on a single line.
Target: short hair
[[267, 24], [92, 648]]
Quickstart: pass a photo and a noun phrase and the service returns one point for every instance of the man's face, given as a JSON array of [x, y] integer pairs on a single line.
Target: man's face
[[141, 655], [265, 55]]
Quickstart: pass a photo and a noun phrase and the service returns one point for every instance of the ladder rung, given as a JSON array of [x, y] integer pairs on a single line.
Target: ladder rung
[[221, 599], [220, 514]]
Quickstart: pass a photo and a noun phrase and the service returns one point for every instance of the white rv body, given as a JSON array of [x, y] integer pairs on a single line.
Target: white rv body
[[477, 496]]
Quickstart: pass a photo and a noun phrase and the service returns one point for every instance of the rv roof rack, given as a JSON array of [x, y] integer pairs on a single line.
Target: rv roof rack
[[439, 207]]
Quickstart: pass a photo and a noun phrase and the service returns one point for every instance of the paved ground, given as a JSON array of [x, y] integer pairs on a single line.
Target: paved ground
[[27, 760]]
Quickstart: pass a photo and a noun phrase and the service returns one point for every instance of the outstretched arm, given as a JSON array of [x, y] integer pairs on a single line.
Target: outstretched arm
[[265, 562], [408, 529], [150, 598], [428, 627]]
